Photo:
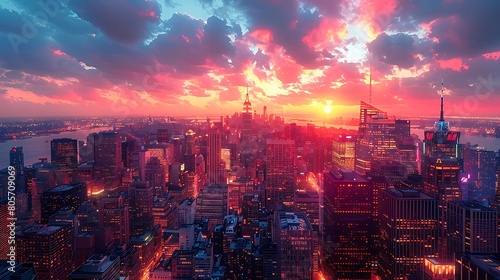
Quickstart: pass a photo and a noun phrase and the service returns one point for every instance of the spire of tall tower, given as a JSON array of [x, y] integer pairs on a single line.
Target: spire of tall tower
[[370, 82], [247, 98], [441, 118]]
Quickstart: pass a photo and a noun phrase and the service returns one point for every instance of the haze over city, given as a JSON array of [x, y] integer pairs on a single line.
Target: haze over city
[[300, 58]]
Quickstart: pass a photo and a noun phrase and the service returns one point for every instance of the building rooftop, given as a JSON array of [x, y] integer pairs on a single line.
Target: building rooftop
[[62, 188], [44, 230], [407, 193], [294, 221], [346, 175], [488, 263], [96, 264], [473, 206]]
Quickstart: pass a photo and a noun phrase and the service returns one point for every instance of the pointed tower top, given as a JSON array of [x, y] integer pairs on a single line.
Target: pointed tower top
[[370, 82], [441, 118], [247, 98]]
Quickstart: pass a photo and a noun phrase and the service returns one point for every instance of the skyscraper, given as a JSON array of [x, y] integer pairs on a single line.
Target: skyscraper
[[281, 165], [17, 158], [49, 248], [443, 183], [140, 195], [294, 236], [349, 226], [215, 170], [64, 152], [71, 195], [376, 138], [471, 228], [481, 165], [343, 151], [246, 115], [114, 213], [108, 157], [440, 142], [408, 229]]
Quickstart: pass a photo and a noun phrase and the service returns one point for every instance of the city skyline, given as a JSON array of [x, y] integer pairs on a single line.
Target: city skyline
[[309, 59]]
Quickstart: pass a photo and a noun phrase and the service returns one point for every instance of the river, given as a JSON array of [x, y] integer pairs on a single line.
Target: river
[[39, 146]]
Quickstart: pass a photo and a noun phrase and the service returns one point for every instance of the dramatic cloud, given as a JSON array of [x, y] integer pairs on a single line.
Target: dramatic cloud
[[296, 56]]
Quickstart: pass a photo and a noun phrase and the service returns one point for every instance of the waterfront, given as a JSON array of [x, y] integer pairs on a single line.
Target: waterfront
[[36, 147]]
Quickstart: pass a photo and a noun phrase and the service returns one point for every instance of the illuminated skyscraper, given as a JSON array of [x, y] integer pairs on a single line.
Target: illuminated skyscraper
[[49, 248], [294, 236], [376, 138], [16, 157], [215, 171], [349, 226], [481, 165], [440, 142], [471, 228], [114, 213], [246, 115], [343, 151], [443, 182], [108, 157], [64, 152], [281, 165], [71, 195], [408, 229], [140, 195]]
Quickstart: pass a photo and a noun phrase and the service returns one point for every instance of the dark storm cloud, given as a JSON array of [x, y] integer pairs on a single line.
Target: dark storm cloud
[[394, 49], [127, 21], [288, 21], [190, 46], [460, 28]]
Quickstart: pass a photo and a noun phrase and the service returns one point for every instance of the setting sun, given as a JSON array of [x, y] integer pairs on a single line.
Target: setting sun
[[328, 110]]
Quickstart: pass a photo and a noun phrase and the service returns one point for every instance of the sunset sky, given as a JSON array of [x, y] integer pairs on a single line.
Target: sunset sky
[[299, 58]]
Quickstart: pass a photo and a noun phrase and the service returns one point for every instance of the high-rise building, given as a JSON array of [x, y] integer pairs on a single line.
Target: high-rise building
[[294, 236], [408, 230], [71, 195], [162, 136], [114, 213], [471, 228], [246, 115], [215, 174], [64, 152], [4, 229], [49, 248], [402, 130], [376, 138], [98, 267], [343, 151], [16, 157], [443, 182], [349, 226], [393, 171], [108, 158], [183, 264], [281, 171], [469, 266], [186, 212], [140, 197], [440, 142], [212, 203], [190, 151], [481, 165], [409, 155]]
